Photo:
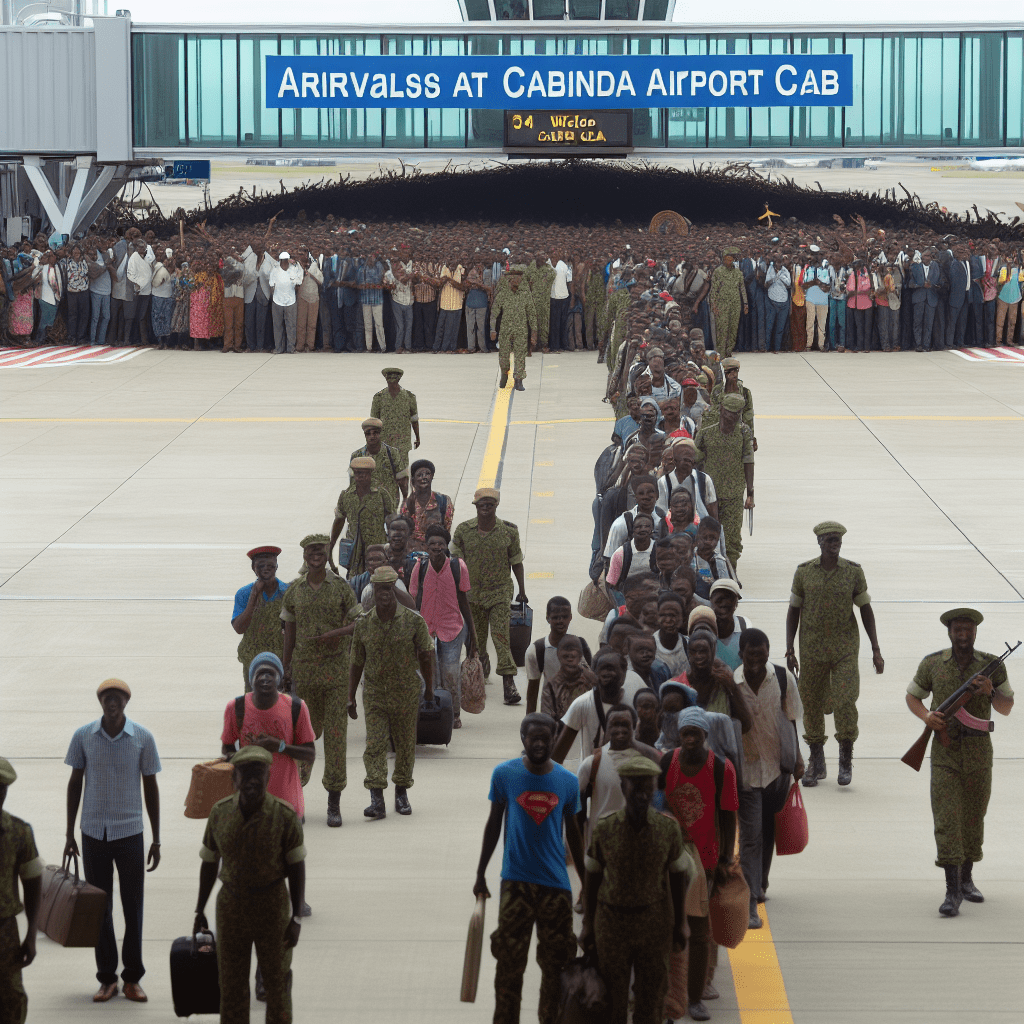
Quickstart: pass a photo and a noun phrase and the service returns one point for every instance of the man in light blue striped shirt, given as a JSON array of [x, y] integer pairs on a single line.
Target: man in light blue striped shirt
[[111, 756]]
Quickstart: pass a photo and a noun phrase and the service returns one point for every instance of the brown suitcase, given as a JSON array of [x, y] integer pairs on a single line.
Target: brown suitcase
[[72, 910], [211, 781]]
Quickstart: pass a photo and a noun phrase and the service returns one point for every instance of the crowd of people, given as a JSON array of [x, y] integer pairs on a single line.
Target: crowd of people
[[303, 286], [657, 761]]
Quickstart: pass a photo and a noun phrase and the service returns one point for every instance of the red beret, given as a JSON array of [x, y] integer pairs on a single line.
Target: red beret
[[267, 549]]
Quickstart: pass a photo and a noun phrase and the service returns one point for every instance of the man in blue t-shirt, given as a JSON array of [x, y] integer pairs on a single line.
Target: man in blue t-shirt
[[536, 798]]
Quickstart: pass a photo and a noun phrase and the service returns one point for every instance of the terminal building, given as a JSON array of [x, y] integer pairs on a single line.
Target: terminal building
[[173, 91]]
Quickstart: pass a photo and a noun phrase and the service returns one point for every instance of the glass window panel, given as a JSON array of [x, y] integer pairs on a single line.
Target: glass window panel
[[548, 10], [477, 10], [818, 126], [405, 127], [511, 10], [1015, 89], [982, 99], [621, 10], [770, 126], [687, 126], [158, 89], [655, 10], [585, 10], [950, 121], [446, 127]]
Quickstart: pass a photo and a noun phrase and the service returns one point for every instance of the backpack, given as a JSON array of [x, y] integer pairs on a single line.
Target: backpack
[[456, 575], [788, 743], [240, 713], [661, 529]]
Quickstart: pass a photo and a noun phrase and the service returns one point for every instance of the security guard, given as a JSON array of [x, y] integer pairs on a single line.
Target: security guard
[[961, 771], [257, 612], [398, 412], [825, 591], [515, 305], [257, 840], [732, 385], [19, 858]]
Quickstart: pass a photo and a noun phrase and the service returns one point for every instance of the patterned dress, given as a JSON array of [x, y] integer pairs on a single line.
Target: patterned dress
[[182, 303]]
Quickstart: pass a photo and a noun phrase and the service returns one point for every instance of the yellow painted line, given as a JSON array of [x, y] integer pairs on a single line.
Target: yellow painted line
[[543, 463], [542, 521], [540, 575], [495, 439], [760, 990], [543, 494]]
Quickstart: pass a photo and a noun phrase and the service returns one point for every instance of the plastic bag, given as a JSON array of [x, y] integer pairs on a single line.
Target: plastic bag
[[791, 833], [472, 684]]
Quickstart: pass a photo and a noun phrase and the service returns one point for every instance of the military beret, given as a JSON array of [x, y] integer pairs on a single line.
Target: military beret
[[638, 767], [7, 772], [961, 613], [314, 538], [372, 421], [734, 403], [384, 574], [392, 371], [829, 526], [363, 462], [730, 364], [114, 684], [252, 754], [486, 492], [267, 549]]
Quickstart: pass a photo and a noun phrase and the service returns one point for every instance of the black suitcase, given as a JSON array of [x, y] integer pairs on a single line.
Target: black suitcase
[[434, 723], [195, 986]]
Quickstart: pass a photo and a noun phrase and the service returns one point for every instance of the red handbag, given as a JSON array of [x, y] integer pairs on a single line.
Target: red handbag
[[791, 824]]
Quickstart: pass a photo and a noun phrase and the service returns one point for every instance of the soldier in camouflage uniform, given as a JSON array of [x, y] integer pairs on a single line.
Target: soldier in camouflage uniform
[[19, 858], [594, 301], [365, 507], [637, 876], [389, 645], [518, 313], [540, 276], [257, 611], [961, 771], [257, 840], [732, 385], [825, 592], [613, 326], [490, 547], [725, 451], [396, 408], [391, 465], [727, 298], [316, 648]]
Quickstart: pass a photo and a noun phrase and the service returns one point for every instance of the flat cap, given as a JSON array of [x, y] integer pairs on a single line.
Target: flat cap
[[267, 549], [733, 403], [486, 492], [384, 574], [363, 462], [694, 715], [314, 538], [252, 754], [372, 421], [829, 526], [731, 250], [392, 371], [114, 684], [730, 364], [684, 442], [7, 772], [961, 613], [701, 614], [638, 767], [726, 584]]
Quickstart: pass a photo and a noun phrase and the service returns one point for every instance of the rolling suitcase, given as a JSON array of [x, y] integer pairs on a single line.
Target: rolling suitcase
[[71, 911], [520, 631], [434, 722], [195, 985]]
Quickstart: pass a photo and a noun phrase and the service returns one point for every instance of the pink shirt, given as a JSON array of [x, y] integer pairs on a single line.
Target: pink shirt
[[989, 285], [276, 721], [440, 604], [858, 290]]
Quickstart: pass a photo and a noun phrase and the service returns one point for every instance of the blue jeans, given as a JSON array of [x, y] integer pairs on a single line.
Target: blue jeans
[[403, 326], [778, 315], [759, 312], [100, 319], [447, 664], [836, 323]]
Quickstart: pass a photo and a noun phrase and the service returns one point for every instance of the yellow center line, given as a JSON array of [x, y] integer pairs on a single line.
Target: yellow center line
[[757, 977], [495, 439]]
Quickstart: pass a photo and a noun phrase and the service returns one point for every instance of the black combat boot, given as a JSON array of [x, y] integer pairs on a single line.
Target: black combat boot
[[968, 889], [376, 810], [951, 904], [504, 380], [520, 386], [511, 694], [402, 804], [845, 762], [815, 765], [334, 810]]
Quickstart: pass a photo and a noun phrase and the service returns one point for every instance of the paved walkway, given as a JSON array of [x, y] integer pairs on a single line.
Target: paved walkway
[[132, 490]]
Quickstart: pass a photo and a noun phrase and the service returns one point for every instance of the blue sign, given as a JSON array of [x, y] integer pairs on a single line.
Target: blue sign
[[191, 169], [561, 83]]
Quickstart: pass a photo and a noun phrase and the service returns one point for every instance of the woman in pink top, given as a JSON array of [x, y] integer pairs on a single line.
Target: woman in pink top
[[860, 301]]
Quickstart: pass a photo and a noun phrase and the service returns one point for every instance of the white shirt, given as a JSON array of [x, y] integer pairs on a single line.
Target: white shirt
[[140, 273], [607, 795], [582, 714], [618, 533], [675, 657], [284, 282], [551, 666], [249, 275], [559, 286], [163, 282]]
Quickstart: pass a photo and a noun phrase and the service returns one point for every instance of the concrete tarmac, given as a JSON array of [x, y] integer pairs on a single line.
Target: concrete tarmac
[[131, 492]]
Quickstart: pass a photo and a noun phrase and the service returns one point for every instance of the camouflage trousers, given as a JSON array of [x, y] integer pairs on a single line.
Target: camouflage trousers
[[634, 944], [524, 904], [727, 322], [543, 321], [508, 345], [13, 1001], [959, 802], [730, 515], [496, 618], [591, 319], [828, 685], [391, 713], [326, 699], [245, 920]]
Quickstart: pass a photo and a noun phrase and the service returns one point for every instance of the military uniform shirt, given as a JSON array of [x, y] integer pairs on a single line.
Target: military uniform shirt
[[314, 613], [517, 311], [488, 557], [367, 515], [635, 865], [388, 651], [718, 393], [257, 853], [19, 858], [725, 455], [397, 413], [828, 627], [939, 676], [391, 467]]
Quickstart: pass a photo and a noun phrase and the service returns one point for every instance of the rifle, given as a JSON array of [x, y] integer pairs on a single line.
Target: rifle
[[954, 705]]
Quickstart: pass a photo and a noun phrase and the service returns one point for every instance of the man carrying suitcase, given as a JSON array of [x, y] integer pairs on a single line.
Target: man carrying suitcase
[[110, 757], [389, 644], [256, 839], [19, 858]]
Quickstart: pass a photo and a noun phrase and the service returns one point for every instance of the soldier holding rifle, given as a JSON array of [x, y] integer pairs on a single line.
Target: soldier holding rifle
[[961, 756]]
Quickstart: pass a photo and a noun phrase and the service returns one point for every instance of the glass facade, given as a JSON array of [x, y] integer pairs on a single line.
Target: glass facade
[[205, 90]]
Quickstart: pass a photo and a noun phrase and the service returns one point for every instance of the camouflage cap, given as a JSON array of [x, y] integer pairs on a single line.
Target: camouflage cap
[[829, 526], [638, 767], [733, 403], [252, 754], [7, 772]]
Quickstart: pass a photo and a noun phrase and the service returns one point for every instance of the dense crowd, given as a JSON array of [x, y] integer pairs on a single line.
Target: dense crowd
[[682, 730]]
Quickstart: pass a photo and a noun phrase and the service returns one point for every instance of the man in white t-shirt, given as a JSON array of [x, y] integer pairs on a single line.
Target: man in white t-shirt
[[559, 321], [282, 281], [559, 615]]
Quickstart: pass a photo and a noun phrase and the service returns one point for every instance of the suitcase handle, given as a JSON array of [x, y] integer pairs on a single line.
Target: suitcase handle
[[68, 859], [202, 937]]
